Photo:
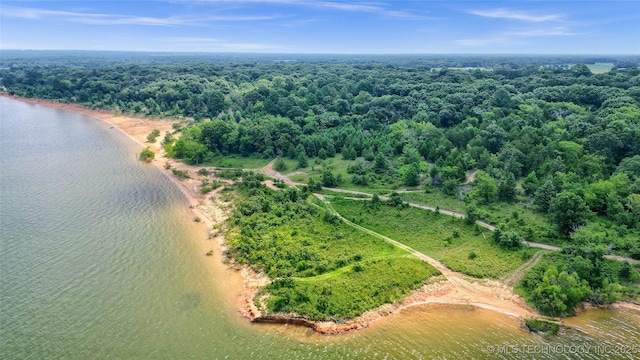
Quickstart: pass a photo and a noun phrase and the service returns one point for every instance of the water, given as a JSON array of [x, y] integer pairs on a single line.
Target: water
[[99, 258]]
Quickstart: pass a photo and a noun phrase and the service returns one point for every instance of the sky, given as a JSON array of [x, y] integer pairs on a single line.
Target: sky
[[326, 26]]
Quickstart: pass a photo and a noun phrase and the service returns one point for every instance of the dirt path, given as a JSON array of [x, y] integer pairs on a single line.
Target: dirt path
[[471, 178], [269, 171], [515, 276]]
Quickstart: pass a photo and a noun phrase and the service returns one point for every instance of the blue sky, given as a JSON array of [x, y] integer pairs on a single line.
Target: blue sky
[[301, 26]]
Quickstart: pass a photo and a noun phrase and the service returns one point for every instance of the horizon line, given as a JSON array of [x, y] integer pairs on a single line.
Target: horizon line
[[320, 53]]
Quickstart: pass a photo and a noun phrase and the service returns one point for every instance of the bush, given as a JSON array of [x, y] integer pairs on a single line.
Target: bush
[[280, 165], [181, 174], [153, 135], [328, 179], [395, 200], [147, 155], [542, 326], [450, 187], [204, 172], [472, 215]]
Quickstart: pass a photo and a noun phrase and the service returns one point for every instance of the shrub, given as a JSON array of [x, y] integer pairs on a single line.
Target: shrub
[[395, 200], [147, 155], [153, 135], [181, 174], [542, 326], [204, 172], [280, 165]]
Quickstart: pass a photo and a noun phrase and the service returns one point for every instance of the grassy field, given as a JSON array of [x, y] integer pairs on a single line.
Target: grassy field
[[517, 216], [323, 268], [600, 68], [445, 238], [316, 167], [237, 161], [351, 292], [338, 166]]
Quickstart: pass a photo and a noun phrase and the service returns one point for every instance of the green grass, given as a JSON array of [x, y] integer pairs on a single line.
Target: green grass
[[323, 268], [337, 167], [600, 68], [316, 167], [363, 286], [237, 161], [529, 223], [433, 235]]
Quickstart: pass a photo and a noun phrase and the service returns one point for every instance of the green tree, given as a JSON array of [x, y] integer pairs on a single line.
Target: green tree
[[507, 187], [395, 199], [450, 187], [530, 183], [380, 164], [507, 239], [633, 206], [494, 137], [412, 175], [486, 188], [280, 165], [472, 215], [568, 211], [559, 293], [348, 153], [302, 161], [328, 179], [313, 185], [630, 166], [545, 193]]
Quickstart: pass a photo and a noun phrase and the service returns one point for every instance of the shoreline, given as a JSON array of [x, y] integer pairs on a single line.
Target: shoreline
[[486, 294]]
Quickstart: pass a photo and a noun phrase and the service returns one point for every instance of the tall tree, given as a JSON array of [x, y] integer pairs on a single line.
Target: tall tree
[[568, 211]]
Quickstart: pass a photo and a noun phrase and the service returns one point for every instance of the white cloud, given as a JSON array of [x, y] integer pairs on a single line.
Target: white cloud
[[515, 15], [543, 32], [116, 19], [367, 7]]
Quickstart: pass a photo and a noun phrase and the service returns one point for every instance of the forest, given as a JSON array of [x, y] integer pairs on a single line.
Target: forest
[[541, 147]]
